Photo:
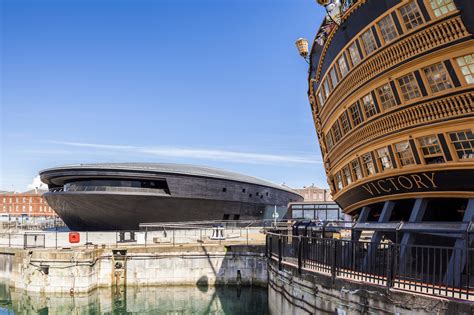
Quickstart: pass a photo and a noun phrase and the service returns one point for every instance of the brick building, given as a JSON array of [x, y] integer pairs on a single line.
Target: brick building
[[29, 203], [313, 193]]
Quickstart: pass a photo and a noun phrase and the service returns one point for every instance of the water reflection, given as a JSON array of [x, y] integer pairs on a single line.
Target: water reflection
[[143, 300]]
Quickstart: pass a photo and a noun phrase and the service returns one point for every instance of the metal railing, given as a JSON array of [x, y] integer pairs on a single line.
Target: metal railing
[[172, 233], [435, 270]]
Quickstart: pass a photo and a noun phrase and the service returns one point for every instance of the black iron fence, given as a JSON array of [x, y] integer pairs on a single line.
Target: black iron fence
[[434, 270]]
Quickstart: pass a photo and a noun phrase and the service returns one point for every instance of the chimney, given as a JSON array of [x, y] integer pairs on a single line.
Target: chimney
[[36, 190]]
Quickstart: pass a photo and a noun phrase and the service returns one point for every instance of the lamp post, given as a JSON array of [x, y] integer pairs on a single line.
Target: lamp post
[[302, 45]]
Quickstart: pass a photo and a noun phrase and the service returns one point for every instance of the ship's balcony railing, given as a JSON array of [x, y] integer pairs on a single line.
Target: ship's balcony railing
[[437, 110], [438, 33]]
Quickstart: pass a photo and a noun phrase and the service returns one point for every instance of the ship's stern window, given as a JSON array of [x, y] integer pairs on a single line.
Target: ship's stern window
[[368, 164], [438, 77], [355, 55], [442, 7], [383, 157], [347, 174], [387, 99], [431, 149], [356, 170], [404, 153], [369, 42], [369, 106], [339, 184], [463, 142], [411, 16], [343, 69], [466, 63], [409, 87], [345, 123], [388, 29], [355, 114]]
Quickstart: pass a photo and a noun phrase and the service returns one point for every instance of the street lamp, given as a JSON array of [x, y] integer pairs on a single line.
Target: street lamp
[[302, 45]]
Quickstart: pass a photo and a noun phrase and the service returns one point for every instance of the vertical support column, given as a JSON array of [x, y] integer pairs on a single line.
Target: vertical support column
[[377, 236], [457, 262], [416, 216]]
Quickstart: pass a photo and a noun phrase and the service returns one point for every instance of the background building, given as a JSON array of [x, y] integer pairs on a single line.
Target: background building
[[27, 204], [314, 193]]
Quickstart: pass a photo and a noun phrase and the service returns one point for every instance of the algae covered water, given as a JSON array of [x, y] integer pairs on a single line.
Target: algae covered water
[[140, 300]]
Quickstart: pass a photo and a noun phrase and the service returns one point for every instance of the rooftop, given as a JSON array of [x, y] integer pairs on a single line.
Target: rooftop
[[168, 168]]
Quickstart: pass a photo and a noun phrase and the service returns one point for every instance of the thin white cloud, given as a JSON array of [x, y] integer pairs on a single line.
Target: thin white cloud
[[203, 154], [37, 184]]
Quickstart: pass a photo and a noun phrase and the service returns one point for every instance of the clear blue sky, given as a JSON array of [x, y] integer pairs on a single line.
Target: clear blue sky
[[209, 82]]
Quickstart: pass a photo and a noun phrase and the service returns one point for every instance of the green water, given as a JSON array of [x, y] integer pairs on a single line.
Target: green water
[[143, 300]]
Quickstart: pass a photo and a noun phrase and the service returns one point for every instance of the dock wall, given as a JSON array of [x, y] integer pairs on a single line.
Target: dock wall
[[82, 270], [291, 292]]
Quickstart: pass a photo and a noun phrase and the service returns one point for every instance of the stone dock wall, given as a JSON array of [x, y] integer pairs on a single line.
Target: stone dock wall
[[290, 292], [82, 270]]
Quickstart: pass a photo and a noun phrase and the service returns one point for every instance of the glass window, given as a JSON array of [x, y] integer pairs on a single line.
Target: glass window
[[347, 174], [387, 28], [327, 88], [431, 149], [308, 214], [386, 96], [466, 63], [343, 65], [409, 87], [355, 114], [354, 53], [336, 130], [356, 170], [369, 42], [297, 214], [411, 15], [441, 7], [368, 164], [345, 123], [404, 153], [339, 181], [321, 98], [333, 75], [369, 105], [438, 77], [329, 141], [384, 158], [463, 142]]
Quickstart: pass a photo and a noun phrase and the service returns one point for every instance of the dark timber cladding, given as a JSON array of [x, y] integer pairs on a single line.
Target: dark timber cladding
[[121, 196], [391, 91]]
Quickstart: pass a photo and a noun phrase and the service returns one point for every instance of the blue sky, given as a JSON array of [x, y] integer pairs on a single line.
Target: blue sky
[[208, 82]]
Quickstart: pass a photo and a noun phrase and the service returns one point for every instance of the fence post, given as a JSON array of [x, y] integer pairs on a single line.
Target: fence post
[[247, 236], [279, 252], [56, 238], [9, 239], [300, 261], [391, 264], [333, 260], [270, 241], [146, 234]]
